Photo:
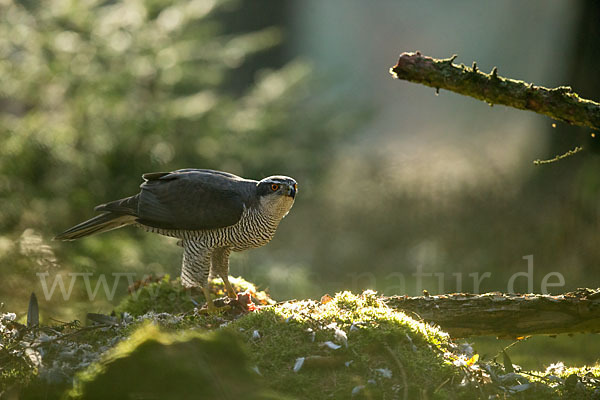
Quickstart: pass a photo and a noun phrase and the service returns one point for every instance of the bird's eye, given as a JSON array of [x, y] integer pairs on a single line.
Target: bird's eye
[[274, 187]]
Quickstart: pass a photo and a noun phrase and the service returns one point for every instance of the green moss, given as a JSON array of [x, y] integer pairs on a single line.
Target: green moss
[[379, 341], [154, 364], [15, 372], [162, 296], [559, 381], [169, 296]]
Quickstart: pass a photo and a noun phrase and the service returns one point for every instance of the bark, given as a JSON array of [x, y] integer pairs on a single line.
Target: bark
[[506, 315]]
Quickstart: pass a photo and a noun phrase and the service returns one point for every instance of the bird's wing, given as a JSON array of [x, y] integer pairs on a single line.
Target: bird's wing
[[157, 175], [191, 200]]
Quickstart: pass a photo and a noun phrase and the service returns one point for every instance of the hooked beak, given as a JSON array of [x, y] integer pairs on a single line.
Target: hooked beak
[[292, 191]]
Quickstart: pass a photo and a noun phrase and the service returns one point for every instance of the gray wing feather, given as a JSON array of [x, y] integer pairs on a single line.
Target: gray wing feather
[[192, 199]]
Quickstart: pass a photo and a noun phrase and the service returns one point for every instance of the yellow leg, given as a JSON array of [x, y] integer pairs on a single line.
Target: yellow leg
[[209, 303], [211, 308], [230, 291], [220, 267]]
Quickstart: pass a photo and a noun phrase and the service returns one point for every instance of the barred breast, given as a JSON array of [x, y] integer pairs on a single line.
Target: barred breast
[[253, 230]]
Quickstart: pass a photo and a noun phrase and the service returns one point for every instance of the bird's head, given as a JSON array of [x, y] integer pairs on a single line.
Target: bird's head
[[277, 194]]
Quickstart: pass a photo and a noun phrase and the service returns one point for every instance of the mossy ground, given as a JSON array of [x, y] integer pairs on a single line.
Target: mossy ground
[[164, 295], [348, 346], [183, 365], [380, 351]]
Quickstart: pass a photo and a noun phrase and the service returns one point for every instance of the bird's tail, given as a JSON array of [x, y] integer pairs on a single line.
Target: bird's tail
[[101, 223]]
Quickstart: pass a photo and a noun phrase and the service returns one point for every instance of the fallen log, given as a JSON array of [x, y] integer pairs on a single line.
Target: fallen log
[[506, 315]]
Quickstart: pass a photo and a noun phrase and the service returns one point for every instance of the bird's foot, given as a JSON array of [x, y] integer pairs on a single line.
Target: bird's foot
[[212, 307], [215, 307], [241, 303], [230, 290]]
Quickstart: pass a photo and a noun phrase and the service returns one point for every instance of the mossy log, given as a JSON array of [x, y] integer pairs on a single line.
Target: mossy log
[[506, 315], [560, 103]]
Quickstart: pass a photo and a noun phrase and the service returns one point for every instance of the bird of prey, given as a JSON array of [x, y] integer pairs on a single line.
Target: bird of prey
[[212, 213]]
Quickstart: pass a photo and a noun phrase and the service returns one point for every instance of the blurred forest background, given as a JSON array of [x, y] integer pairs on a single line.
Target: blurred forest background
[[392, 178]]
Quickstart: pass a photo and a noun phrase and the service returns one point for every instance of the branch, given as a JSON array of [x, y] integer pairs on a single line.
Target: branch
[[561, 103], [506, 315]]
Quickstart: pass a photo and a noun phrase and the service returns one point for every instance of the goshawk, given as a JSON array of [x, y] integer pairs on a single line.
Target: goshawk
[[212, 213]]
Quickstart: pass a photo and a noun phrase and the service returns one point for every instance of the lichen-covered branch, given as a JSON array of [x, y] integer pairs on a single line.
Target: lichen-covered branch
[[506, 315], [560, 103]]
